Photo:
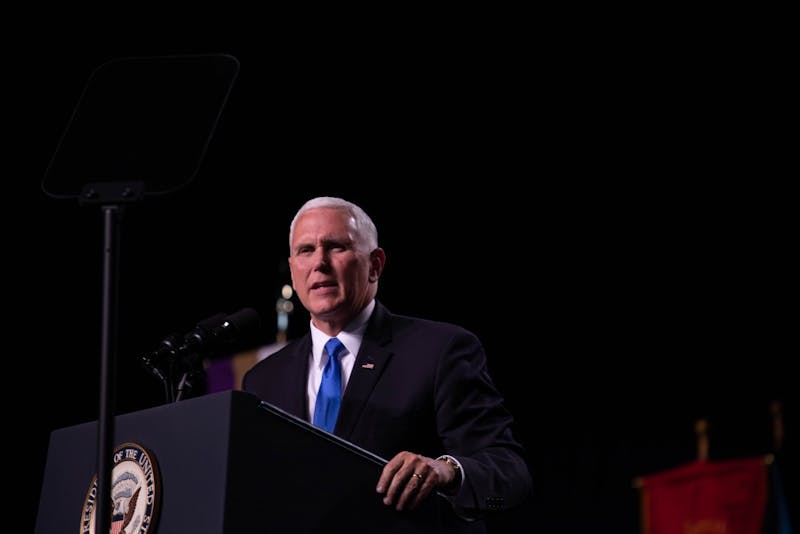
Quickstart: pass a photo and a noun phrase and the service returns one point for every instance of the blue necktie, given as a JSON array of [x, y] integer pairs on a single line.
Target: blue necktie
[[329, 395]]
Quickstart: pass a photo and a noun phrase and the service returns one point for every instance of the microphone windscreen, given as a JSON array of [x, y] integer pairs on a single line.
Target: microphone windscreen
[[212, 322], [246, 322]]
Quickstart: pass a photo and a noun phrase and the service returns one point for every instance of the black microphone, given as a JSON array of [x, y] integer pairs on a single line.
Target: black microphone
[[200, 339], [221, 333], [165, 352], [217, 333], [240, 327]]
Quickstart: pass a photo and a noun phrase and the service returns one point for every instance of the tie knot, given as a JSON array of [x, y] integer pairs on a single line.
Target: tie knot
[[333, 347]]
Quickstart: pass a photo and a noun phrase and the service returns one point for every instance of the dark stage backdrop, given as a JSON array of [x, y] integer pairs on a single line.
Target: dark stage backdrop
[[607, 228]]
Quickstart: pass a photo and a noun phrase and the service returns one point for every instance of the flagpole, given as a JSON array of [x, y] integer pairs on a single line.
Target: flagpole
[[701, 431]]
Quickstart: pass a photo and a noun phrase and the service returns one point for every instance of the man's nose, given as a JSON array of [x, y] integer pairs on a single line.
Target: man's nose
[[321, 259]]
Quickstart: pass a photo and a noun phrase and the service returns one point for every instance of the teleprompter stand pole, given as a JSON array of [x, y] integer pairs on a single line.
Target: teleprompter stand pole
[[111, 197]]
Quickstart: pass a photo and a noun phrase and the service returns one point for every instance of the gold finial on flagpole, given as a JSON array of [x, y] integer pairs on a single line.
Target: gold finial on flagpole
[[701, 431], [776, 409]]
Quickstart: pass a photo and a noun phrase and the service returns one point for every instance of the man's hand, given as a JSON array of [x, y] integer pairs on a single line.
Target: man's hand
[[408, 478]]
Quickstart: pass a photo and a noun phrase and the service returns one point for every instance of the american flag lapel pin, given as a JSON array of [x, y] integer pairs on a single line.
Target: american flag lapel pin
[[368, 365]]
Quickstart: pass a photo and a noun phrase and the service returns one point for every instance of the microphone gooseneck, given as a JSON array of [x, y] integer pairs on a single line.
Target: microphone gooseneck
[[182, 356]]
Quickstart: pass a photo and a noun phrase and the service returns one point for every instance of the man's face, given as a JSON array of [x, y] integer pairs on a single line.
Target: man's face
[[331, 277]]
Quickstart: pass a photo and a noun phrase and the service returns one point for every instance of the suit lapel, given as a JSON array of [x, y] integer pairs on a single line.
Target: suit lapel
[[372, 358], [296, 398]]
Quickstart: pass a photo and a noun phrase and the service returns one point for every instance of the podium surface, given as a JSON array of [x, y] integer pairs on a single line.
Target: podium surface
[[229, 463]]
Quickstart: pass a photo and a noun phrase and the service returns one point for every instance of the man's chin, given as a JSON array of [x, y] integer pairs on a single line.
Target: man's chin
[[326, 310]]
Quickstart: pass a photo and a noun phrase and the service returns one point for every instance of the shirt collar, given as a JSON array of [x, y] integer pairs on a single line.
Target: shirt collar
[[350, 336]]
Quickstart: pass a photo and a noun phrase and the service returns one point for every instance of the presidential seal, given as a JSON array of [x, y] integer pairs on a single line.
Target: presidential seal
[[135, 493]]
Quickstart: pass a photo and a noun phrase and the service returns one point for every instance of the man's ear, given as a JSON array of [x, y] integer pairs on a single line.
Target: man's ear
[[377, 261]]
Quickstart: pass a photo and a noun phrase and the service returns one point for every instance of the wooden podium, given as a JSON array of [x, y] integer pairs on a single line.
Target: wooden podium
[[229, 463]]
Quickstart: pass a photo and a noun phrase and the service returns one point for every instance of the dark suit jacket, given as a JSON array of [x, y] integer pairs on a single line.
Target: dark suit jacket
[[420, 386]]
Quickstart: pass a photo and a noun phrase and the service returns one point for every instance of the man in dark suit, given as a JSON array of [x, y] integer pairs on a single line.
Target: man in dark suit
[[409, 389]]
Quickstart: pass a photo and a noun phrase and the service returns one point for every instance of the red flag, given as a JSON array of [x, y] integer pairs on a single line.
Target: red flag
[[725, 497]]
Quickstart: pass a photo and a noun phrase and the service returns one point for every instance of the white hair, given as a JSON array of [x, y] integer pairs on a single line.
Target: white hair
[[366, 234]]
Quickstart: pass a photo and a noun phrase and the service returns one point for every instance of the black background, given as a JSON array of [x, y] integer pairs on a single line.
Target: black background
[[610, 215]]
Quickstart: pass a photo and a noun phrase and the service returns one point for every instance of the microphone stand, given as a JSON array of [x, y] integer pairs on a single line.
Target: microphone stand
[[191, 374], [182, 385]]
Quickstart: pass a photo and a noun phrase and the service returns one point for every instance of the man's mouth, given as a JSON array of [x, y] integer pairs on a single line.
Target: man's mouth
[[320, 285]]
